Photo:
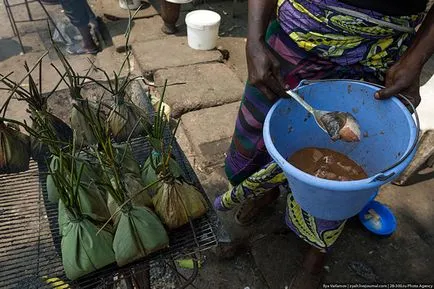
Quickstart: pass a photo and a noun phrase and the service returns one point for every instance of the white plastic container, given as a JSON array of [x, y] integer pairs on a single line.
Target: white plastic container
[[202, 29], [130, 4], [179, 1]]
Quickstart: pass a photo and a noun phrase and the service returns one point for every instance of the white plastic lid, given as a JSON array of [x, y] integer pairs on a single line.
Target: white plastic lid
[[179, 1], [200, 19]]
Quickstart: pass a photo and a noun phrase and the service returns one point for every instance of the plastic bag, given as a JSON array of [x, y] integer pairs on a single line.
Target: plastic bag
[[69, 32]]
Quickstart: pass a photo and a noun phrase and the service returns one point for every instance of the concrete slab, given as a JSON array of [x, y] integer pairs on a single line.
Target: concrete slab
[[210, 131], [111, 7], [237, 55], [185, 145], [171, 52], [110, 60], [15, 64], [142, 30], [199, 86]]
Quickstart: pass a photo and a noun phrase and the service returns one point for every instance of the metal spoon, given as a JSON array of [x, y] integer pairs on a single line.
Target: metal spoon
[[337, 124]]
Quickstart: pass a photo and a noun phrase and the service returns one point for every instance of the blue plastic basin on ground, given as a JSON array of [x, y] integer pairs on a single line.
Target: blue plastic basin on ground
[[389, 134], [385, 226]]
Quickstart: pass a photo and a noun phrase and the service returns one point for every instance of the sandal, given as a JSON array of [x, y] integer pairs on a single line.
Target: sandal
[[250, 208]]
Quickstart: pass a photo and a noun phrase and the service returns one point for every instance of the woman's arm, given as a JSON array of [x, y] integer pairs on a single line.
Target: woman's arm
[[259, 15], [263, 67], [403, 77]]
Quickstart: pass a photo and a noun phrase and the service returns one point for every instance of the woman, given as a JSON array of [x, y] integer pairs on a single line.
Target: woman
[[316, 39]]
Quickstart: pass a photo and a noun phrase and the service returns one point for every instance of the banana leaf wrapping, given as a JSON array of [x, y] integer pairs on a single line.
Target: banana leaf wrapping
[[14, 150], [134, 185], [139, 233], [83, 250], [149, 175], [177, 202], [92, 200], [52, 192], [39, 150], [123, 119], [125, 159], [131, 176], [81, 111]]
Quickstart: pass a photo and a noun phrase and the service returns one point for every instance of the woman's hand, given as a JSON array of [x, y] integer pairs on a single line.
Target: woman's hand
[[402, 78], [264, 70]]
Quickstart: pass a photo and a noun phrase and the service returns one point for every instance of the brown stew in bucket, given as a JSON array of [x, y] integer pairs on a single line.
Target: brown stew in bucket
[[327, 164]]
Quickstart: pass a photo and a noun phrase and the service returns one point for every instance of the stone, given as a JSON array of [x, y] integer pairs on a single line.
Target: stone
[[185, 145], [199, 86], [171, 52], [237, 55], [210, 131]]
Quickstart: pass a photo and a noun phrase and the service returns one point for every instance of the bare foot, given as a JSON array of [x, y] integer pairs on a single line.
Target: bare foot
[[305, 280], [310, 275], [169, 29]]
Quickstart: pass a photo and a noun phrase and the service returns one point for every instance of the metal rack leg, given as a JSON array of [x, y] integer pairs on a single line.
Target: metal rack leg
[[6, 4], [14, 25], [28, 10]]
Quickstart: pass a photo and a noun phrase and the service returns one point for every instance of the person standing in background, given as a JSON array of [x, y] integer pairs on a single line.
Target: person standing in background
[[81, 16]]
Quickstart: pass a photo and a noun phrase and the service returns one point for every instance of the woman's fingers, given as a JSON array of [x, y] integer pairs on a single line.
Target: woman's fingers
[[275, 85]]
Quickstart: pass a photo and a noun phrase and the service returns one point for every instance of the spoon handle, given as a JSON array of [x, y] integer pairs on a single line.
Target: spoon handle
[[300, 101]]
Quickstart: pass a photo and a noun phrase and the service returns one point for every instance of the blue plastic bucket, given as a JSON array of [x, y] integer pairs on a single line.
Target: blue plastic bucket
[[387, 146]]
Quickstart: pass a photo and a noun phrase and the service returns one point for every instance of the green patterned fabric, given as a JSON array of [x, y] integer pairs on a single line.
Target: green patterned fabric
[[317, 232]]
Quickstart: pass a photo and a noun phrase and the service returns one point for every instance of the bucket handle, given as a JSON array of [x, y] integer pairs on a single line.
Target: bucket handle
[[380, 176]]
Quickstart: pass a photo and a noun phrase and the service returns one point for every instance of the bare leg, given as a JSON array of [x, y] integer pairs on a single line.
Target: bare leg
[[309, 276], [170, 14], [314, 260]]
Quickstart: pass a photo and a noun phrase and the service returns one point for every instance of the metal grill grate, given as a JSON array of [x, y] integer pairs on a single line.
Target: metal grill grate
[[30, 241]]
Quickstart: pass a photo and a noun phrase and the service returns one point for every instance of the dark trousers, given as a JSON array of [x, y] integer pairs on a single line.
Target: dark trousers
[[78, 12]]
